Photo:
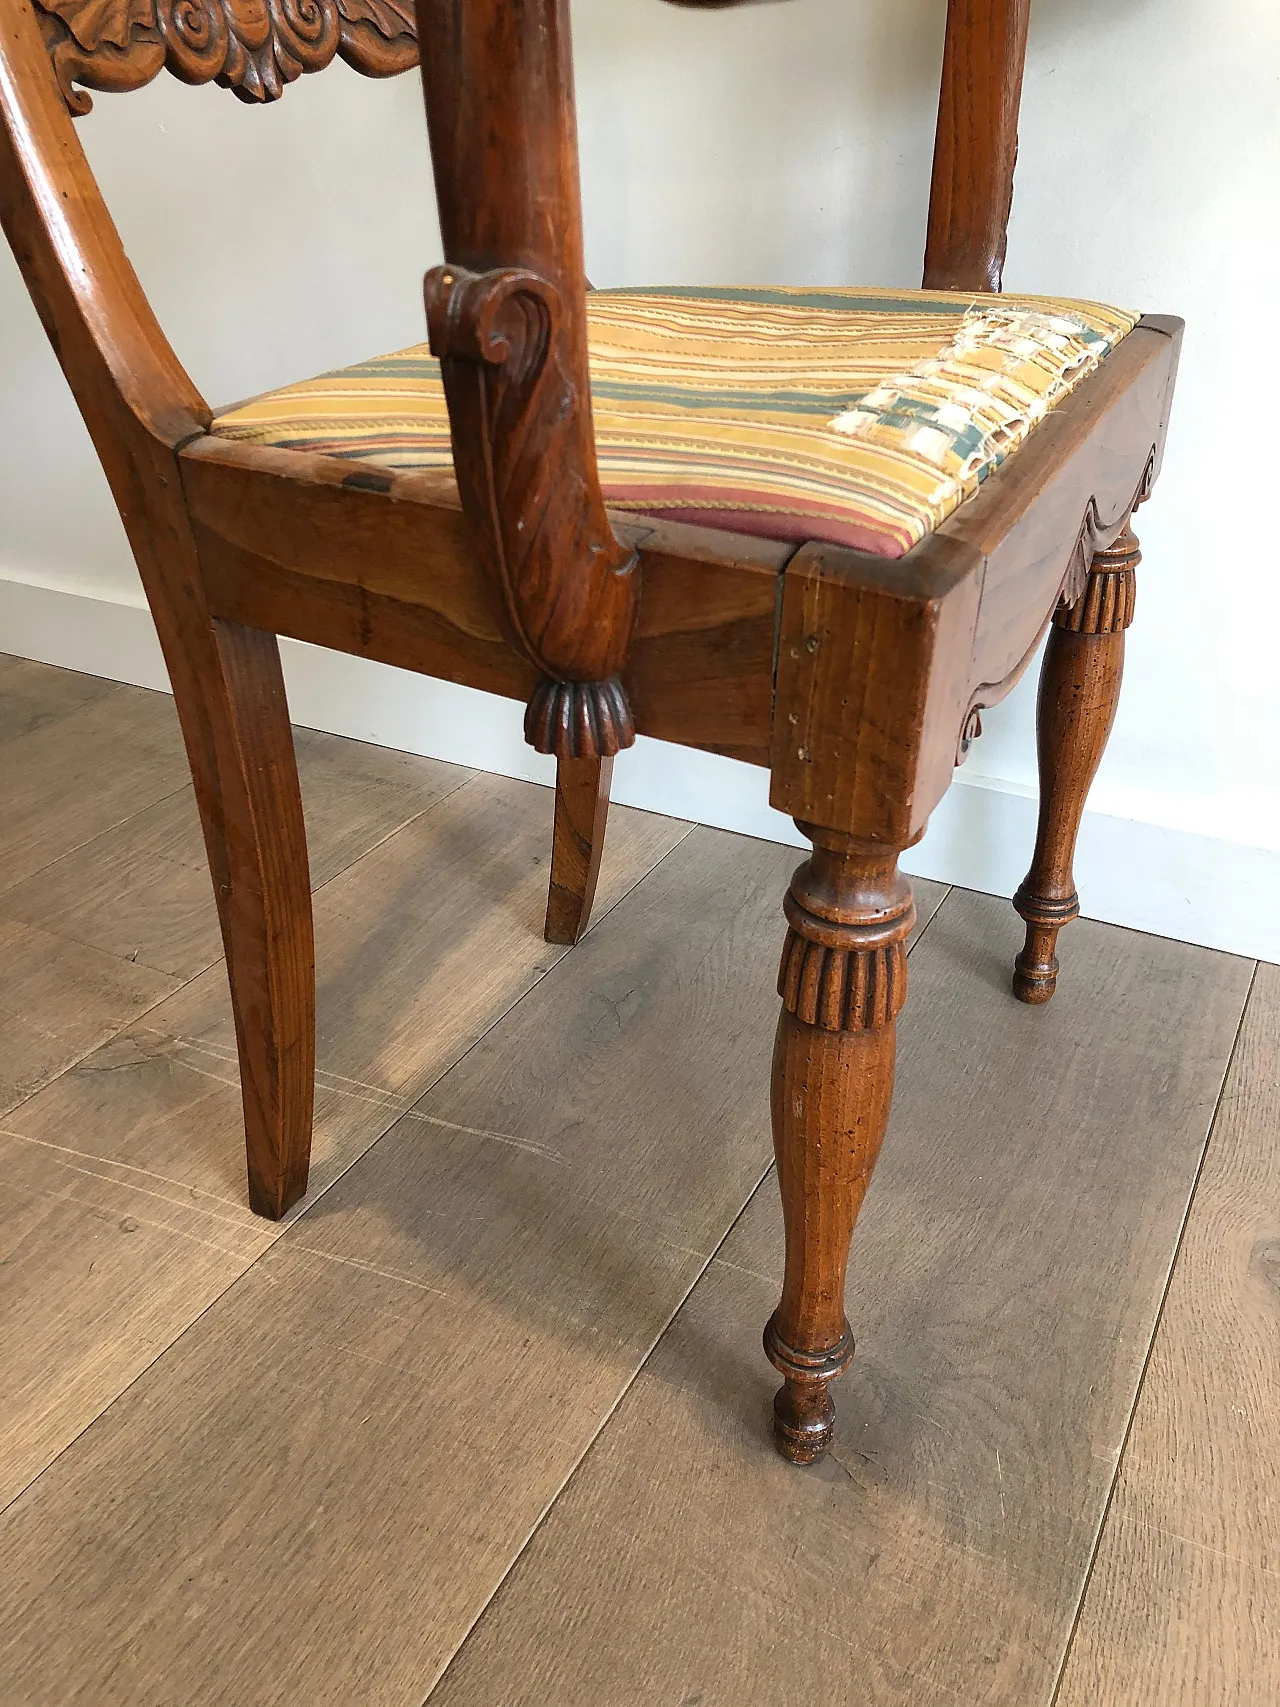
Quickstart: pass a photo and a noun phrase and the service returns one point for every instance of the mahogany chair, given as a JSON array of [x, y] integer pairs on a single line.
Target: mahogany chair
[[829, 531]]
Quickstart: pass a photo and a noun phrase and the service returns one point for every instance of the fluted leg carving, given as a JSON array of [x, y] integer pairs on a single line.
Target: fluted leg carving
[[843, 982], [1079, 693]]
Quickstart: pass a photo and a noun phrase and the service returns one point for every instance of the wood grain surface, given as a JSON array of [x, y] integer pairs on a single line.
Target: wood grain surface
[[339, 1408], [59, 1000], [100, 1273], [297, 1463], [141, 890], [32, 695], [1184, 1602], [66, 782], [424, 944], [341, 1477], [1004, 1284]]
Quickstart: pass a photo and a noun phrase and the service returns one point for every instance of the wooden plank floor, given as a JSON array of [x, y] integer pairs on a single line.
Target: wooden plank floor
[[485, 1420], [1184, 1601]]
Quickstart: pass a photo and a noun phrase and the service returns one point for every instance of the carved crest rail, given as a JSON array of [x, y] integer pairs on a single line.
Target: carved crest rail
[[255, 48]]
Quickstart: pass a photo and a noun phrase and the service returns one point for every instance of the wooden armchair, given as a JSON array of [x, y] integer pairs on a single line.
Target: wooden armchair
[[818, 531]]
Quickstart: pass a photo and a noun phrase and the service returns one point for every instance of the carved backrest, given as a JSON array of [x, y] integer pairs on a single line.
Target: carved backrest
[[255, 48], [507, 312]]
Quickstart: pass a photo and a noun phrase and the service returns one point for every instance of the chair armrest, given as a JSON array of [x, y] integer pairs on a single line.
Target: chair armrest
[[507, 316]]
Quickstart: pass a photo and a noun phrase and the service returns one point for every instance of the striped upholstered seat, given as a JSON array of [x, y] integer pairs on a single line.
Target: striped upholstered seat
[[844, 415]]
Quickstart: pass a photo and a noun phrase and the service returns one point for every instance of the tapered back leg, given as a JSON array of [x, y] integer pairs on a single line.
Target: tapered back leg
[[257, 847], [230, 695], [582, 816]]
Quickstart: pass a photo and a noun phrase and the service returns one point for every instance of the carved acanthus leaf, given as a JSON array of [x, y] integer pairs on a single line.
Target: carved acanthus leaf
[[1092, 531], [524, 460], [255, 48]]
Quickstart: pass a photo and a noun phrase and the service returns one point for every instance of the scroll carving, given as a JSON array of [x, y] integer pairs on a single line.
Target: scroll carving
[[970, 732], [255, 48], [525, 464]]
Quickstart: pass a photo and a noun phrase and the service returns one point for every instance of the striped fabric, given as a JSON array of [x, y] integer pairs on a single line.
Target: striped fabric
[[850, 416]]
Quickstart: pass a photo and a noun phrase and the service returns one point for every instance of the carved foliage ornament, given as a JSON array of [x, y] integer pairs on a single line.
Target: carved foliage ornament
[[252, 47], [525, 463]]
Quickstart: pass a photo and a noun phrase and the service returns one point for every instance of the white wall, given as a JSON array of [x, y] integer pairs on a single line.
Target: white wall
[[778, 142]]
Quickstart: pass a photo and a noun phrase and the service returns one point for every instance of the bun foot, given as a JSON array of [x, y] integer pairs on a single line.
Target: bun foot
[[1035, 971], [804, 1421], [804, 1413]]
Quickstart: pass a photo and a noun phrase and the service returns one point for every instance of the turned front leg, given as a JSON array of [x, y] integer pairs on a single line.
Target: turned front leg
[[843, 982], [1079, 694]]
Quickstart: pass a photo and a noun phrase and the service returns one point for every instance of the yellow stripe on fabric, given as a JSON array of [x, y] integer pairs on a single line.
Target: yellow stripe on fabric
[[838, 414]]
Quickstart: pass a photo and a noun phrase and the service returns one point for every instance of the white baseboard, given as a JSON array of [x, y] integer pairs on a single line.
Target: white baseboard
[[1144, 876]]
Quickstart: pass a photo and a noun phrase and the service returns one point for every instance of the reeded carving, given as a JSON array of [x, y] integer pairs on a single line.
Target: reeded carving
[[579, 720], [524, 459], [1107, 601], [843, 982], [255, 48], [846, 988], [841, 971]]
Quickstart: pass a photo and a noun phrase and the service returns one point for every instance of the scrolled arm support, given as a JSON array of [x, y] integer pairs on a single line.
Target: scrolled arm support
[[508, 320], [524, 457]]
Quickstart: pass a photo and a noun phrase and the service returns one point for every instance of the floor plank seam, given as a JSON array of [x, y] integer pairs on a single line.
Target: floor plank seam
[[576, 1466], [138, 1018], [596, 1434], [13, 1108], [1175, 1256], [415, 818], [411, 1110], [111, 829], [309, 1203], [79, 847]]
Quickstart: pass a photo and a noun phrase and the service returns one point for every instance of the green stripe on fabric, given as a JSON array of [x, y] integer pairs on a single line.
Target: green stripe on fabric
[[828, 301]]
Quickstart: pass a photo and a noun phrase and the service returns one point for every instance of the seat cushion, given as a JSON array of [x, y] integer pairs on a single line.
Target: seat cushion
[[850, 416]]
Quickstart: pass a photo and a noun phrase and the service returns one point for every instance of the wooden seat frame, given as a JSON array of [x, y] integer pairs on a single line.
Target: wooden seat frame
[[857, 681]]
